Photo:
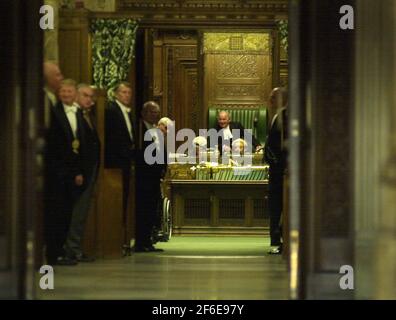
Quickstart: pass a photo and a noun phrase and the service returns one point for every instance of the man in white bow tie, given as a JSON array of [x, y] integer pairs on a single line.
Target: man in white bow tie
[[90, 156], [64, 147]]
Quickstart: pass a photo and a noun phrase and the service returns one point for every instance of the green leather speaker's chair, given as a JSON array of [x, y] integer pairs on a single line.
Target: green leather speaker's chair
[[254, 119]]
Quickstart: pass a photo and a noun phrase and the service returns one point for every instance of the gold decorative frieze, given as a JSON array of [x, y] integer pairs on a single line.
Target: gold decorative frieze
[[202, 5], [229, 42], [246, 12]]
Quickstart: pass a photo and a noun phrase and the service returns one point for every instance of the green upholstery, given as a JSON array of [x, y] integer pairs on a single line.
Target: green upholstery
[[247, 118]]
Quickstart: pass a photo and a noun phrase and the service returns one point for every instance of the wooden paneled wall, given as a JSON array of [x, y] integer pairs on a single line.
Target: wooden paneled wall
[[107, 229], [74, 45]]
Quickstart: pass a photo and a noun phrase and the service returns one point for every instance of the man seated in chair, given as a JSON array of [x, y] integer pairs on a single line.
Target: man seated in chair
[[228, 129]]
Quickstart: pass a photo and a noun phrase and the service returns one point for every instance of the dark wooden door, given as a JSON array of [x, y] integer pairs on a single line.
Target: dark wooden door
[[175, 76]]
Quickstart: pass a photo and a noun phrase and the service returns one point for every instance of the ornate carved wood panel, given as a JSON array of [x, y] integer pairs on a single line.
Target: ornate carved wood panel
[[176, 77], [237, 69]]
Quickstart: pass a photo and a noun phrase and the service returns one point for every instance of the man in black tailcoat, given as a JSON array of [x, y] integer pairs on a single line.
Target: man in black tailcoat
[[120, 136], [148, 173], [275, 156], [90, 162], [64, 171]]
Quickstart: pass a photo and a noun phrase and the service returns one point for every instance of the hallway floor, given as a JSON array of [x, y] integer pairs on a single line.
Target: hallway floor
[[191, 268]]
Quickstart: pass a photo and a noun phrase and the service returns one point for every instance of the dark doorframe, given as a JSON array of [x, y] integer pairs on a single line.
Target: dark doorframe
[[20, 95], [321, 148]]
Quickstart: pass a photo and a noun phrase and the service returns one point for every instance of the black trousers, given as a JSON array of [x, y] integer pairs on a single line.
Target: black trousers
[[60, 195], [126, 176], [148, 194], [275, 204]]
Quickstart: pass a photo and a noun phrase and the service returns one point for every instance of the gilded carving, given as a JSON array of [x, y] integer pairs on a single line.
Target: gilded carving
[[262, 6], [239, 66], [238, 90], [229, 42], [242, 11]]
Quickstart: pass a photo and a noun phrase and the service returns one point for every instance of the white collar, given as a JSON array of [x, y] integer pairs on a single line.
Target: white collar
[[277, 114], [123, 107], [51, 96], [67, 106], [227, 134], [74, 104], [149, 125]]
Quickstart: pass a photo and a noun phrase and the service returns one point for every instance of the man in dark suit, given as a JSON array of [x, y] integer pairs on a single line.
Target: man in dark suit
[[148, 174], [227, 130], [90, 162], [53, 78], [275, 156], [120, 136], [65, 179]]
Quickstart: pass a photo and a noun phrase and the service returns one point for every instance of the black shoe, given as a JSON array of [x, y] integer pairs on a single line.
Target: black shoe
[[65, 261], [84, 258], [140, 249], [153, 249]]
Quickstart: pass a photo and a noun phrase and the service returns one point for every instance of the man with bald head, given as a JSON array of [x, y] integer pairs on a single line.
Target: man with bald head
[[275, 156], [148, 174], [227, 128]]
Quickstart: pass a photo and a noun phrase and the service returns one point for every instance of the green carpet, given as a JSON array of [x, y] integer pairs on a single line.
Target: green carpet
[[215, 246]]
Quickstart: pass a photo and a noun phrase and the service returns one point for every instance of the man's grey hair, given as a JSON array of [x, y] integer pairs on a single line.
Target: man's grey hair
[[122, 83], [149, 104]]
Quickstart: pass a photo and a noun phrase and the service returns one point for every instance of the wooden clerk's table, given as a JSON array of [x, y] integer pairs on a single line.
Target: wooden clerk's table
[[218, 200]]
